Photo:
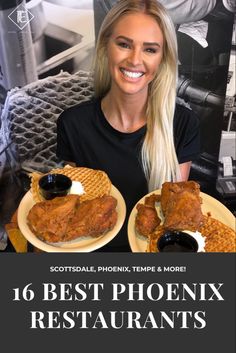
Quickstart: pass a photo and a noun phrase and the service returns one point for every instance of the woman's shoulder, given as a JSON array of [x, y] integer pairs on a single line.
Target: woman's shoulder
[[184, 114], [185, 121], [84, 107], [182, 107]]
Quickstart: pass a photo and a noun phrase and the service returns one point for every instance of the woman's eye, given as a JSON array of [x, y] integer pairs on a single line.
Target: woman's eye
[[151, 50], [123, 45]]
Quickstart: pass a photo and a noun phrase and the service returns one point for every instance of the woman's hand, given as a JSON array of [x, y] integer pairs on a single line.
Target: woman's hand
[[72, 164], [185, 170]]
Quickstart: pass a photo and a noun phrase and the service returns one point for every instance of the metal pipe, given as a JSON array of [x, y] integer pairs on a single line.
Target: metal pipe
[[186, 89]]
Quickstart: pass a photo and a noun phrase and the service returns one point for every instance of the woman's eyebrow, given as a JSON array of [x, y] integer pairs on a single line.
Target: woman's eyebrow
[[131, 41], [152, 43], [125, 38]]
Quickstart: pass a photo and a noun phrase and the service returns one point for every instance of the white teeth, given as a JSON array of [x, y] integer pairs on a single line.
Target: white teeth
[[132, 74]]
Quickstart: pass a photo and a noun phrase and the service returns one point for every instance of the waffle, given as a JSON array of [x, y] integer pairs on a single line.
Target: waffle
[[95, 182], [219, 237], [153, 239]]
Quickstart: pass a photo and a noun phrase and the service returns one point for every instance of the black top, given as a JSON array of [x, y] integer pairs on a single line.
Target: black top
[[85, 137]]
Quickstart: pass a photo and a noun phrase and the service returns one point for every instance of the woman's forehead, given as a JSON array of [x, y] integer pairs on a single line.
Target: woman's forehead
[[138, 25]]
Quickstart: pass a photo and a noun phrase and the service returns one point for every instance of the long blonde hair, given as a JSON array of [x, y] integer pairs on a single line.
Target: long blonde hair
[[158, 154]]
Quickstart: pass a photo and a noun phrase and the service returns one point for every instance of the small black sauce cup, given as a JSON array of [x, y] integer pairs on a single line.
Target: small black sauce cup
[[173, 241], [54, 185]]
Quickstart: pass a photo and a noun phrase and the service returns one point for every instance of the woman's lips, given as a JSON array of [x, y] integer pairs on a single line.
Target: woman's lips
[[132, 74]]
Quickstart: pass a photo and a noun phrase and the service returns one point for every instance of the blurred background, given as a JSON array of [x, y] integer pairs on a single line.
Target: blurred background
[[59, 35]]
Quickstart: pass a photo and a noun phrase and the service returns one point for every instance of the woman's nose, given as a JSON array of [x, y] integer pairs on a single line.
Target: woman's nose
[[135, 57]]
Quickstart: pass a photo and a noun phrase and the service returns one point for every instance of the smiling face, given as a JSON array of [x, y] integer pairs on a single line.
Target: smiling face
[[135, 51]]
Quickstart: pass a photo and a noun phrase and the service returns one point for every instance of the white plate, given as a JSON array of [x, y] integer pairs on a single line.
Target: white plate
[[209, 204], [83, 244]]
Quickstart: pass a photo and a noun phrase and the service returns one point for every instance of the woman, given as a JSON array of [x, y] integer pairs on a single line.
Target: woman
[[133, 129]]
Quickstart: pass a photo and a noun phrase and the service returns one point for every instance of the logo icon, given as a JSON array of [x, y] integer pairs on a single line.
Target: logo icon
[[20, 16]]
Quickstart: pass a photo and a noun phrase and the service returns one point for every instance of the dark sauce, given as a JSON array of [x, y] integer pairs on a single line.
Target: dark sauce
[[54, 185], [53, 190], [173, 241]]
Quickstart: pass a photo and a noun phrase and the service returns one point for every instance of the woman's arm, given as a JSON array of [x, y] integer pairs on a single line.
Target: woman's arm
[[185, 170]]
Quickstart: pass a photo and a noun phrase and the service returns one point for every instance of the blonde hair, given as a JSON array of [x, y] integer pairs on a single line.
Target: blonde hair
[[158, 154]]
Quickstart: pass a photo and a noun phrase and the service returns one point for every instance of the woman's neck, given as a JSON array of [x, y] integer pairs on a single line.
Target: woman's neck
[[126, 113]]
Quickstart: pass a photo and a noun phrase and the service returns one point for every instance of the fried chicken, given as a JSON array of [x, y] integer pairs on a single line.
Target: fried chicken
[[65, 218], [49, 219], [181, 205], [169, 189], [93, 217], [147, 219]]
